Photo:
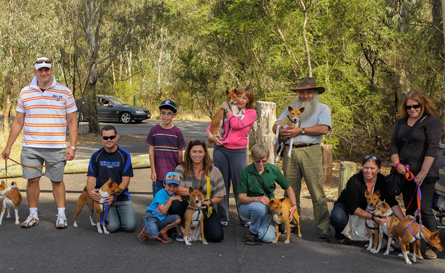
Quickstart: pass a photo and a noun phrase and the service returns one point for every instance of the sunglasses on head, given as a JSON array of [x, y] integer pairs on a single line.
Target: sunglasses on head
[[43, 61], [373, 157], [197, 140], [172, 177], [416, 106], [108, 137]]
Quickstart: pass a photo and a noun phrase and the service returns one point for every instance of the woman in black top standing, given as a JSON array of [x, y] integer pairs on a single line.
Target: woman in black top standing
[[422, 155]]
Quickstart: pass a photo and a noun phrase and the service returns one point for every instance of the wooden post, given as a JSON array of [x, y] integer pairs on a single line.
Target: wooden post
[[326, 151], [266, 120], [347, 170]]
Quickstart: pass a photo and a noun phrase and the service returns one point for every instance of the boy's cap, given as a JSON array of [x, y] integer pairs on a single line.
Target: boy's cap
[[172, 178], [169, 103]]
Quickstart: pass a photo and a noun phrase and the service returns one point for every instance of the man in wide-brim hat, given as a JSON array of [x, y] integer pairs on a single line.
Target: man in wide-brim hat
[[306, 158]]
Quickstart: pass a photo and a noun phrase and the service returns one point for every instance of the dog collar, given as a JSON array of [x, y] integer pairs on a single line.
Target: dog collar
[[103, 195], [193, 208], [291, 120]]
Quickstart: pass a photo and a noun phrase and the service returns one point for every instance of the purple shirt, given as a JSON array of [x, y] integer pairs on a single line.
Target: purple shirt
[[166, 143]]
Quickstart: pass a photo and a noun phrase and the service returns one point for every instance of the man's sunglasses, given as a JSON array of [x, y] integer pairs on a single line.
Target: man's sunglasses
[[43, 61], [108, 137], [416, 106]]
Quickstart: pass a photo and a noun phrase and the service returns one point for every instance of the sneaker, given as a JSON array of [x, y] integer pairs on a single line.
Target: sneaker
[[179, 238], [224, 224], [61, 222], [30, 221], [247, 224], [344, 242], [143, 235], [430, 253], [325, 234], [164, 238]]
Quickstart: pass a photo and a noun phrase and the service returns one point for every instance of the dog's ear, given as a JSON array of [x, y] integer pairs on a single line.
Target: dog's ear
[[3, 183], [271, 201], [367, 193], [227, 92], [302, 109], [191, 190], [290, 108], [201, 189], [377, 193]]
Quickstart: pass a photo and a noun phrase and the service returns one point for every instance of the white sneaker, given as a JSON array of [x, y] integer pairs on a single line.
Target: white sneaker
[[30, 221], [61, 222]]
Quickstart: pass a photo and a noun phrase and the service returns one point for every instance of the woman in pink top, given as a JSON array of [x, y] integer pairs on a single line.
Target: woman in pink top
[[229, 154]]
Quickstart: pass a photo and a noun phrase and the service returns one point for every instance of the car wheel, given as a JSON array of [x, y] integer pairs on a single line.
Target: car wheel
[[80, 116], [125, 117]]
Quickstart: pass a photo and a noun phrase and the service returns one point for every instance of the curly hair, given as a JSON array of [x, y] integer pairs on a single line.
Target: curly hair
[[426, 105], [249, 93], [188, 163]]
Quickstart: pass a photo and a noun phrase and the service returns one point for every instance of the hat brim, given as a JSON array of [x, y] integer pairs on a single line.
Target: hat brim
[[42, 65], [173, 182], [319, 89]]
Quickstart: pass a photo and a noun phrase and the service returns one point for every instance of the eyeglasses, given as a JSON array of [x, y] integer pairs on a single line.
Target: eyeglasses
[[43, 61], [108, 137], [167, 114], [416, 106], [373, 157], [261, 161]]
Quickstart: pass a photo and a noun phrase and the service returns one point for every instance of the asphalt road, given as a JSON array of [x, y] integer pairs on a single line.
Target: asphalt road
[[44, 248]]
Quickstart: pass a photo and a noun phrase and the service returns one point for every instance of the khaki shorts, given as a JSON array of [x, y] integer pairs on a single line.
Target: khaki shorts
[[42, 156]]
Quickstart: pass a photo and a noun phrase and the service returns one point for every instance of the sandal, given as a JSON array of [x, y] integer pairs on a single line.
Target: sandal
[[251, 239]]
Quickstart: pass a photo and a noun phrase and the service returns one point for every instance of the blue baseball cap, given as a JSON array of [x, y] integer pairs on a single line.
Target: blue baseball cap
[[169, 103], [172, 178]]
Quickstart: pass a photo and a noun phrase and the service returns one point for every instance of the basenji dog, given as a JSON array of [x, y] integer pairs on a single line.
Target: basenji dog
[[107, 189], [408, 232], [193, 219], [389, 228], [216, 127], [279, 207], [293, 119], [12, 198], [372, 199]]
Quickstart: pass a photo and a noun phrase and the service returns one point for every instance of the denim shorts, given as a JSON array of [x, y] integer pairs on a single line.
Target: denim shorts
[[42, 156]]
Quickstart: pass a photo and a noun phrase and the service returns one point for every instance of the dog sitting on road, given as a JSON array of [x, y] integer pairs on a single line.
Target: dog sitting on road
[[293, 119], [373, 199], [216, 127], [107, 189], [192, 227], [12, 198], [280, 211]]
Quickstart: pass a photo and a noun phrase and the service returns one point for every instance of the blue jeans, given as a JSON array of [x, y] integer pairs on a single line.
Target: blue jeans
[[152, 224], [259, 216], [339, 219], [157, 186], [122, 215]]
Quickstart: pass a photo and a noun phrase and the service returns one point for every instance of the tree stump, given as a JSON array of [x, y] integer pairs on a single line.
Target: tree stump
[[326, 151], [266, 120], [347, 169]]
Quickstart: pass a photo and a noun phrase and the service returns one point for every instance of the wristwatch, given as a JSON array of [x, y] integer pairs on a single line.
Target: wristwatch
[[74, 148], [303, 132], [226, 110]]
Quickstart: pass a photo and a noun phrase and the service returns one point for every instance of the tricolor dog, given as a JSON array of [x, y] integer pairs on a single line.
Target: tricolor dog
[[107, 189], [216, 127], [373, 199], [293, 119], [280, 213], [12, 198], [409, 232], [192, 227]]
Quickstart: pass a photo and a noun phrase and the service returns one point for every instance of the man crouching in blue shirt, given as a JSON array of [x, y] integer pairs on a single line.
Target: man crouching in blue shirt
[[113, 162]]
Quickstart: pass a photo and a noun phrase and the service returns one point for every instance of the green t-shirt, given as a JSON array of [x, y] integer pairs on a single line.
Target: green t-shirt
[[271, 174]]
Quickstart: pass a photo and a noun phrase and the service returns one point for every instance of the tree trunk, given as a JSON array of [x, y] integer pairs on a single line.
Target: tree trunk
[[305, 9], [7, 111], [266, 120]]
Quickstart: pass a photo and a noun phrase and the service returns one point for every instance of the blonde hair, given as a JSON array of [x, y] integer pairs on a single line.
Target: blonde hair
[[249, 93], [427, 107], [259, 151]]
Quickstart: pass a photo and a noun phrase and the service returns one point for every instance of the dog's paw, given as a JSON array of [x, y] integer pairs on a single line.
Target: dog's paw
[[188, 243], [75, 224], [205, 243], [286, 242], [386, 253], [106, 232]]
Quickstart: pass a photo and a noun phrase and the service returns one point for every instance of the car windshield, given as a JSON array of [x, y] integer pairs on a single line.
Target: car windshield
[[116, 100]]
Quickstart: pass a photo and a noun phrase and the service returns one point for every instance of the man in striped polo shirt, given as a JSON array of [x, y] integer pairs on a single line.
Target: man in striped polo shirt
[[44, 108]]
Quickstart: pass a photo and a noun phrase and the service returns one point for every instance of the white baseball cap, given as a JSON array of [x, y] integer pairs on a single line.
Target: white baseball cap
[[42, 62]]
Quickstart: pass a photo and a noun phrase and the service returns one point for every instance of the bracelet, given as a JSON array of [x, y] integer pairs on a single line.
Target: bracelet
[[397, 165], [294, 205], [211, 202]]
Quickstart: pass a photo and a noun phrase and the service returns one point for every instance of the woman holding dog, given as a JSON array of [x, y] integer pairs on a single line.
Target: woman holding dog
[[256, 188], [229, 154], [197, 171], [352, 200], [421, 157]]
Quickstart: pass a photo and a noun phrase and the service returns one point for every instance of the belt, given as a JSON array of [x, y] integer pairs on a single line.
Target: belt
[[301, 145]]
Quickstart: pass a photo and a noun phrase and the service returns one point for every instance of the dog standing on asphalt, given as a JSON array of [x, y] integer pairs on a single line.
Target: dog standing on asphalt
[[279, 207], [373, 199], [11, 198]]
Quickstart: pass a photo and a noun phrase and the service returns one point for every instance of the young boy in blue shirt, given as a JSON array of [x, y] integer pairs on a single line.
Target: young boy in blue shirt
[[156, 220]]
